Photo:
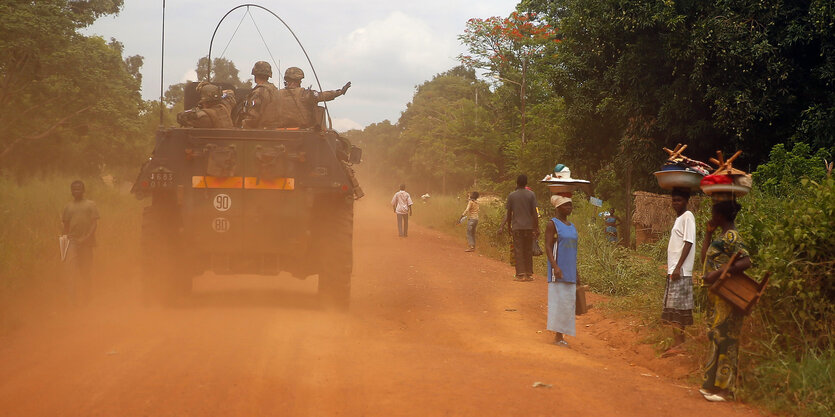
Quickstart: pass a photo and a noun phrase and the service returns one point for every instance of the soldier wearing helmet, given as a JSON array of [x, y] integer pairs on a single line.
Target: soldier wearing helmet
[[298, 105], [260, 110], [214, 110]]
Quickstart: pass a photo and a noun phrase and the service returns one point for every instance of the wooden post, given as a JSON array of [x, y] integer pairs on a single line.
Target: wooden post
[[443, 167], [523, 87], [628, 232]]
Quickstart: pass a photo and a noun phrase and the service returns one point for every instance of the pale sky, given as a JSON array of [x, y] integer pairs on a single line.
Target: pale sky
[[385, 48]]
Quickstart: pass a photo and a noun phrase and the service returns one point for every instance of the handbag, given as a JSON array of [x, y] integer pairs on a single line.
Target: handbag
[[536, 250], [580, 306]]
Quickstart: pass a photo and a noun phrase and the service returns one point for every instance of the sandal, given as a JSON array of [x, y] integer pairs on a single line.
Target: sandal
[[715, 398]]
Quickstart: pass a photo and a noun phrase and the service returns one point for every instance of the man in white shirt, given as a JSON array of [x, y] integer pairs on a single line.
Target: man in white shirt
[[678, 297], [402, 205]]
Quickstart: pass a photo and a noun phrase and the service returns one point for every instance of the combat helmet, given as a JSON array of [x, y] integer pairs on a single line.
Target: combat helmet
[[293, 74], [262, 68], [208, 92]]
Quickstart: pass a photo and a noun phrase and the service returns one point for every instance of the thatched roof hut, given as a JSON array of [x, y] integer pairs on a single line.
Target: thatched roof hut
[[654, 214]]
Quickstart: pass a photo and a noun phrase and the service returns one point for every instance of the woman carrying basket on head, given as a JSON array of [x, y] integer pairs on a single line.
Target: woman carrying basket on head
[[724, 321], [561, 245]]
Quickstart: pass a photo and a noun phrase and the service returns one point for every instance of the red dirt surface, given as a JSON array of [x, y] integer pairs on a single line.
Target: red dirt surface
[[433, 331]]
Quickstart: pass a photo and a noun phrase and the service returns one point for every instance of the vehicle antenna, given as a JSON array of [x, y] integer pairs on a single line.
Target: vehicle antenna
[[312, 68], [262, 40], [162, 66]]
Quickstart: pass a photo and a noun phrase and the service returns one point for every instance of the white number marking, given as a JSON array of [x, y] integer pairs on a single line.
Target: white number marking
[[222, 202], [220, 225]]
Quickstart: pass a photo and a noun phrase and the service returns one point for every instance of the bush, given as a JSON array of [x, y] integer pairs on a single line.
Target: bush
[[29, 239], [779, 176], [793, 238]]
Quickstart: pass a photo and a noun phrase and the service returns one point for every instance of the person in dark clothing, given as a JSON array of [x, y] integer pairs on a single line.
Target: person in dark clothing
[[79, 218], [523, 225]]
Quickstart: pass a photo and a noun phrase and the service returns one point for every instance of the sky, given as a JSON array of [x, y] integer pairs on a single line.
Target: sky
[[384, 47]]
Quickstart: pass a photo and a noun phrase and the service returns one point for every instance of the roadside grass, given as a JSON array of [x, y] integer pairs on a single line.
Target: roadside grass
[[441, 213], [29, 254], [772, 374]]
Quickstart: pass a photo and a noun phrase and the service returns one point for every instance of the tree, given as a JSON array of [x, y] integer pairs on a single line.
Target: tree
[[726, 75], [505, 47], [75, 92], [445, 140], [224, 71]]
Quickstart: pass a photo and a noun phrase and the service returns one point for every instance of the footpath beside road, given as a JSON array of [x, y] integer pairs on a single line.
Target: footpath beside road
[[433, 331]]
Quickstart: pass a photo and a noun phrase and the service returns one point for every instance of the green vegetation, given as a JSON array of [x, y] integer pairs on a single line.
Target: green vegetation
[[68, 102], [598, 85], [441, 213], [779, 176], [30, 256], [792, 343]]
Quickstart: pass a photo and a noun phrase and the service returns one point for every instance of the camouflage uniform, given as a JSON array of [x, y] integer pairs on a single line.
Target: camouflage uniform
[[260, 110], [213, 111], [298, 105]]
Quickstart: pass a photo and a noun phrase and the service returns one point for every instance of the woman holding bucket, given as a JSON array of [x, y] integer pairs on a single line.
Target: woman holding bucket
[[561, 245]]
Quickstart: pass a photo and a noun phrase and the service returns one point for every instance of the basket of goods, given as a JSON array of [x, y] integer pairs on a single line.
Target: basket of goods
[[680, 171], [726, 180], [561, 182]]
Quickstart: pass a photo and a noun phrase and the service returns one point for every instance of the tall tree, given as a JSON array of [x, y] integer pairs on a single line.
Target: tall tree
[[445, 140], [224, 71], [713, 74], [505, 48], [63, 94]]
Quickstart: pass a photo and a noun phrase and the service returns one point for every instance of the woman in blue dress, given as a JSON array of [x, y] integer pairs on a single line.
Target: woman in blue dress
[[561, 244]]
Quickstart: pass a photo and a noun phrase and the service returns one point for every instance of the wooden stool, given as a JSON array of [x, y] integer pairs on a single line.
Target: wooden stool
[[740, 290]]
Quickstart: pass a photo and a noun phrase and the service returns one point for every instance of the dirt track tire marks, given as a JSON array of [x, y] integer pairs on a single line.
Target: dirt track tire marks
[[337, 213]]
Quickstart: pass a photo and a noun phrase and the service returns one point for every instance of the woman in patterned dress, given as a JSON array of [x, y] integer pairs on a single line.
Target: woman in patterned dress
[[724, 321]]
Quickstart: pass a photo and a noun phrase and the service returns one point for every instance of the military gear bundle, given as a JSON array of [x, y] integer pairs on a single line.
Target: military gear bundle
[[208, 92]]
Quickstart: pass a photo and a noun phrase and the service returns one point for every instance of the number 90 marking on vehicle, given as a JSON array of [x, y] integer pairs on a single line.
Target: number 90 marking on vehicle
[[220, 224], [222, 202]]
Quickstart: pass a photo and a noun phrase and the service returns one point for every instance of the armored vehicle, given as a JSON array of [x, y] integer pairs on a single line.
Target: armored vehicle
[[245, 201]]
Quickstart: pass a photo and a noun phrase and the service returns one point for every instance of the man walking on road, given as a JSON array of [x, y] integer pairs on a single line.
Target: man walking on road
[[402, 205], [80, 218], [524, 227]]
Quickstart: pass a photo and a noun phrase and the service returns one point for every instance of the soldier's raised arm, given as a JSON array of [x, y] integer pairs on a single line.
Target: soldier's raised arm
[[329, 95]]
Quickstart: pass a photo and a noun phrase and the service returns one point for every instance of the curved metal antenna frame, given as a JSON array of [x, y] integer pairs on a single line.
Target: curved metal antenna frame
[[248, 5]]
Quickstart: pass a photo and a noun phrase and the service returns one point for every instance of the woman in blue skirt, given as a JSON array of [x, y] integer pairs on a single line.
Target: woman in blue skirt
[[561, 242]]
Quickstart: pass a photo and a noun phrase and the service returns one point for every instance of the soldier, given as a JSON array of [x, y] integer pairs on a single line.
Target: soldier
[[297, 104], [213, 111], [260, 109]]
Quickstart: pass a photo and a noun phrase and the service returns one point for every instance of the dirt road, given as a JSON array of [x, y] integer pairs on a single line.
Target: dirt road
[[433, 331]]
